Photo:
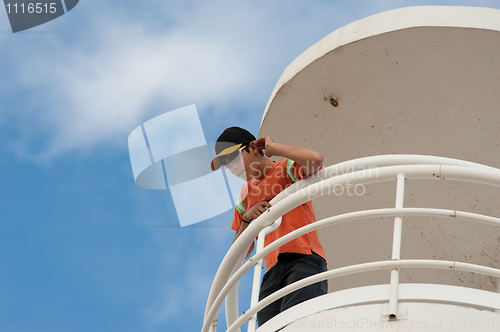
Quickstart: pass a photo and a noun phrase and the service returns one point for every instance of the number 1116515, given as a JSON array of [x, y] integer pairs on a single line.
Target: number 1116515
[[37, 8]]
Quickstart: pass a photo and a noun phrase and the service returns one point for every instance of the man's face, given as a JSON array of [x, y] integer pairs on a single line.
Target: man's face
[[236, 164]]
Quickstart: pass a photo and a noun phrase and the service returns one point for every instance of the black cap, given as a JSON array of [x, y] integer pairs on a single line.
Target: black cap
[[229, 141], [233, 136]]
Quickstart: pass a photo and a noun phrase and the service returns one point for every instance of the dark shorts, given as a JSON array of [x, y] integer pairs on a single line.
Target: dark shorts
[[291, 267]]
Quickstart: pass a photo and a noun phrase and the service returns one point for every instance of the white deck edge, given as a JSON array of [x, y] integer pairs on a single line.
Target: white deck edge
[[444, 294]]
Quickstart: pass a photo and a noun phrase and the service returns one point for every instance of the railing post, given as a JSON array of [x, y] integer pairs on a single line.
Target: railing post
[[396, 248], [231, 302], [257, 273]]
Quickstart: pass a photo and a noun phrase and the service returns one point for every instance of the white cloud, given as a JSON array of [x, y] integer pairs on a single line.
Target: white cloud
[[129, 63], [126, 68], [101, 96], [101, 89]]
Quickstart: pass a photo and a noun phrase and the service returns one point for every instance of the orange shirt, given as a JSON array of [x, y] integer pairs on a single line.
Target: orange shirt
[[282, 175]]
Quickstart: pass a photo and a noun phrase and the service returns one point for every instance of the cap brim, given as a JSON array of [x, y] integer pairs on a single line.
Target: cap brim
[[216, 164]]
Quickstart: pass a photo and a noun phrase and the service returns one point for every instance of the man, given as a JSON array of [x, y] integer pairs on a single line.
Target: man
[[239, 151]]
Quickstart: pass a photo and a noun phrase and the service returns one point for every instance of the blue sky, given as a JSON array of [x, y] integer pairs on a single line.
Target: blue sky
[[82, 247]]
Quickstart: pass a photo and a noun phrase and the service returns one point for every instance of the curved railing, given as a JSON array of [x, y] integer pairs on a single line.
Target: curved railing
[[325, 181]]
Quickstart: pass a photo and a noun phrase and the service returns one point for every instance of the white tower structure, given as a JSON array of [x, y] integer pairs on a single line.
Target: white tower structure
[[405, 106]]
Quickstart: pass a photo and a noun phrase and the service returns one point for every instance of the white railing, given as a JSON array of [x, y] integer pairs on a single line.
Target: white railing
[[326, 181]]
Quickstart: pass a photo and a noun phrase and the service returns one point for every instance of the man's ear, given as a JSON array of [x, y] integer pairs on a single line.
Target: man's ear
[[253, 147]]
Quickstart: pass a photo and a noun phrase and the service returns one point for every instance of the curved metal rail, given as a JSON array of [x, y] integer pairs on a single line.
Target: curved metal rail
[[373, 169], [365, 267]]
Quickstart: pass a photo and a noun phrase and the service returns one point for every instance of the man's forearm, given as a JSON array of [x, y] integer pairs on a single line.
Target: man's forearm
[[310, 160]]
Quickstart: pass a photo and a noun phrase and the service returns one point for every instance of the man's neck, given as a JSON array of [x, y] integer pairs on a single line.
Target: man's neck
[[264, 168]]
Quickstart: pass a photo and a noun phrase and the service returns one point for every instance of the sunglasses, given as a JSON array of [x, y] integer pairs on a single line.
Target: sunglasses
[[232, 157]]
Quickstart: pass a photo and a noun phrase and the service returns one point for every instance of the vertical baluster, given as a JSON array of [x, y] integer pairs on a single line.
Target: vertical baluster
[[258, 271], [396, 248]]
